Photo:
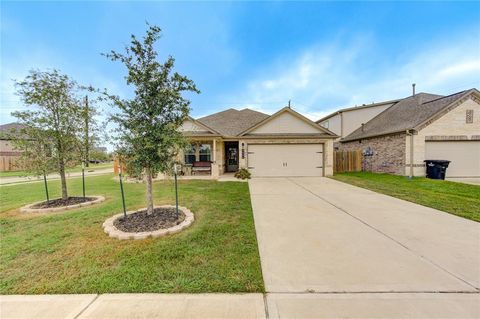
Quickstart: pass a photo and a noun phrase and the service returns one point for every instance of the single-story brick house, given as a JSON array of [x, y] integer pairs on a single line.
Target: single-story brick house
[[283, 144], [422, 126]]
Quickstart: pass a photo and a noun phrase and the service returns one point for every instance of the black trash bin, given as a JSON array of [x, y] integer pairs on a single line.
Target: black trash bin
[[436, 169]]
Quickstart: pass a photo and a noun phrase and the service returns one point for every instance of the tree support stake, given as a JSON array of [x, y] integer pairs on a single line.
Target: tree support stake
[[121, 189], [46, 185]]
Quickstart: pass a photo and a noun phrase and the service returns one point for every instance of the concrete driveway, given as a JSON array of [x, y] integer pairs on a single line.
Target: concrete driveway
[[466, 180], [326, 242]]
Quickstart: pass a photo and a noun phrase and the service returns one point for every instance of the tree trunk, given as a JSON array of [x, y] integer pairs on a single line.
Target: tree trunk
[[87, 146], [148, 172], [61, 166]]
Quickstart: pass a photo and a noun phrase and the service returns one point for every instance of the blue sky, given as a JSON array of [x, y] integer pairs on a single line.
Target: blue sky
[[321, 55]]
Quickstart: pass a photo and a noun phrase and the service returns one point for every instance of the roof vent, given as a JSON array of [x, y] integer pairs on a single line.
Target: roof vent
[[363, 127], [413, 89]]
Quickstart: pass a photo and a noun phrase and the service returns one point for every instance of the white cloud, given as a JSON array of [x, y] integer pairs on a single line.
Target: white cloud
[[460, 69], [323, 78]]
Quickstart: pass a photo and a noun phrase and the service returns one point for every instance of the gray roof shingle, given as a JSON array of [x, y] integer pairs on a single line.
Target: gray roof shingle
[[7, 130], [406, 114], [232, 122]]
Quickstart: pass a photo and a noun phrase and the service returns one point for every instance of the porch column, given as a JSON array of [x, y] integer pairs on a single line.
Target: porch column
[[197, 151], [214, 155], [215, 170]]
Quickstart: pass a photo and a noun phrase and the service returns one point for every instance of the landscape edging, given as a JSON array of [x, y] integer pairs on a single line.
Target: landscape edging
[[28, 208], [112, 231]]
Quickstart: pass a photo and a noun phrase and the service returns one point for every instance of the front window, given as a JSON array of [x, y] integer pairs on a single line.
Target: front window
[[190, 154], [205, 152]]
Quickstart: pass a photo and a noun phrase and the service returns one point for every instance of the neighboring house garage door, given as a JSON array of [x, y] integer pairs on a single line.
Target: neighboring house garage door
[[270, 160], [464, 156]]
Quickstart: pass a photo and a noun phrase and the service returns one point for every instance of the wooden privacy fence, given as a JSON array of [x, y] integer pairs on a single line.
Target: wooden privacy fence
[[116, 166], [9, 163], [347, 161]]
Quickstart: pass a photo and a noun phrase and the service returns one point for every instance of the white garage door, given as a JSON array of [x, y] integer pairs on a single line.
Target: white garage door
[[464, 156], [270, 160]]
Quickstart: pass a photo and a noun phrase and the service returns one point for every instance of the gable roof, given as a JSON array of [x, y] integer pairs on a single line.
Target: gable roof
[[409, 113], [354, 108], [207, 131], [232, 122], [321, 129]]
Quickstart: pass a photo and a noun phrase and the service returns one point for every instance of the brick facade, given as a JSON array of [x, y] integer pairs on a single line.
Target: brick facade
[[388, 153]]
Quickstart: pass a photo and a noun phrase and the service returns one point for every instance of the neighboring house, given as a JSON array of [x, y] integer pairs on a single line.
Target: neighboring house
[[283, 144], [345, 121], [9, 155], [422, 126]]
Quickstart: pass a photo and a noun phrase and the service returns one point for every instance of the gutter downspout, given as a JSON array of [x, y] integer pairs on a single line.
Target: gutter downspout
[[410, 133], [341, 124]]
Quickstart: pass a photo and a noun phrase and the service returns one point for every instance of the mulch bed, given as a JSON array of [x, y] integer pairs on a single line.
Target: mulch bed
[[162, 217], [59, 202]]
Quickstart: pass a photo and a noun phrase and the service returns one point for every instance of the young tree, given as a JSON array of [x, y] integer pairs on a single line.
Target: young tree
[[90, 135], [148, 123], [54, 117]]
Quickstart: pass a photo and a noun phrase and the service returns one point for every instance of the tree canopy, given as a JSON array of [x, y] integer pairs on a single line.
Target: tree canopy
[[148, 123], [53, 122]]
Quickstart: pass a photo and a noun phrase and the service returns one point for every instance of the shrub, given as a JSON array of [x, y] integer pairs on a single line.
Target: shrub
[[243, 173]]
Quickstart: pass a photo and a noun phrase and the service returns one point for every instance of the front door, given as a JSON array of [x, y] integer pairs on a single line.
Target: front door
[[231, 156]]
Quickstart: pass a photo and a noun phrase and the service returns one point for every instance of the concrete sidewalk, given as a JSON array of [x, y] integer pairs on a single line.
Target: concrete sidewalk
[[125, 306], [374, 305], [241, 306], [7, 181]]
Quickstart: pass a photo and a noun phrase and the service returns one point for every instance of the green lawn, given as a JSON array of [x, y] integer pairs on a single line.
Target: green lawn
[[69, 252], [454, 198], [70, 170]]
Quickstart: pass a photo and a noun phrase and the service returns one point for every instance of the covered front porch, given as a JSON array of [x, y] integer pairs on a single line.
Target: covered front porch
[[209, 157]]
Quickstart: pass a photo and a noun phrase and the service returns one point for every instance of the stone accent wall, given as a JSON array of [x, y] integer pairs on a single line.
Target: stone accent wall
[[387, 153]]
